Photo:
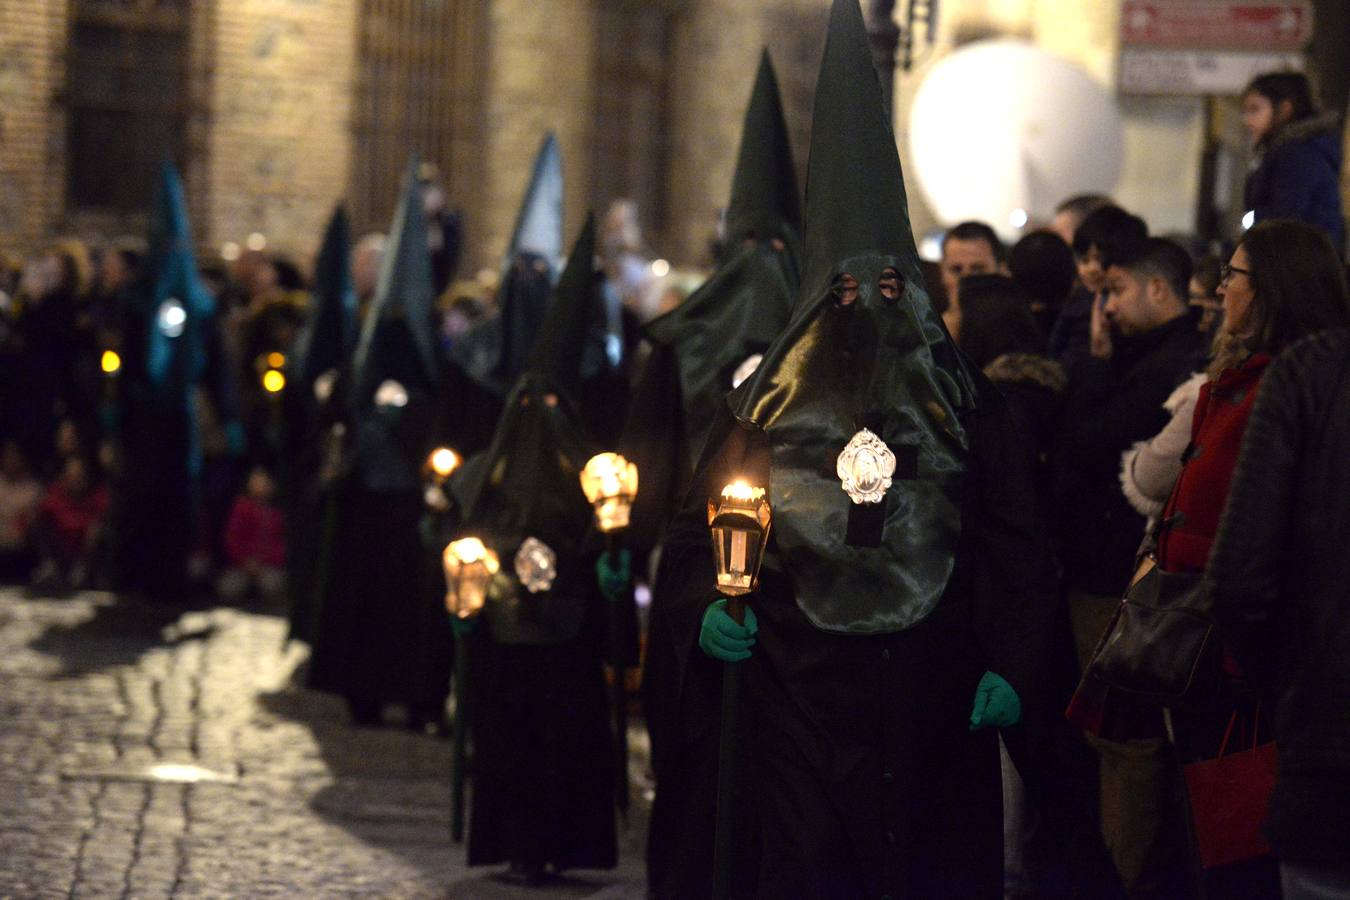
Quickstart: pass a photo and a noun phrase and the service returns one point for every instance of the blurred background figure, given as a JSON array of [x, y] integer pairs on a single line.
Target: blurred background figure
[[1071, 212], [1296, 171], [970, 248], [1043, 266], [20, 494], [255, 545], [66, 529]]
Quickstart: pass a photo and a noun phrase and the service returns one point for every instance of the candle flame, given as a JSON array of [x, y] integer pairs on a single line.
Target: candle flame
[[444, 461], [740, 489], [469, 550]]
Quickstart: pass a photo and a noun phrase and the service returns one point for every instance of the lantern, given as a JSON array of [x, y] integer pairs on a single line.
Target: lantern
[[442, 463], [469, 567], [610, 483], [739, 522], [391, 395]]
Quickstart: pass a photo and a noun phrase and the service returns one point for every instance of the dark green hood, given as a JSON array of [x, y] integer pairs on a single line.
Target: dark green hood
[[887, 365], [396, 338], [180, 310], [764, 200], [745, 304], [325, 343], [527, 484]]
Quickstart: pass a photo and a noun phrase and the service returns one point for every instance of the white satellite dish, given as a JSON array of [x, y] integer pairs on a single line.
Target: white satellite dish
[[1002, 130]]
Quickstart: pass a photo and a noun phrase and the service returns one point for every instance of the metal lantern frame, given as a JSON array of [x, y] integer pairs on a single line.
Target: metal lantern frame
[[739, 522], [469, 568], [610, 483]]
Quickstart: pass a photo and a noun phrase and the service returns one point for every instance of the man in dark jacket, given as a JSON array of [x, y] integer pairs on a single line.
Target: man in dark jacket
[[1282, 595], [1143, 345]]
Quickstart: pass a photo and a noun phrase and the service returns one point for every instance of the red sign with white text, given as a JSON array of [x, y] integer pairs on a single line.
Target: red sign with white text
[[1216, 24]]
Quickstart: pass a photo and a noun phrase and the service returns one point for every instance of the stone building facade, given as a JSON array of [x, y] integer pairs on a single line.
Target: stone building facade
[[279, 109]]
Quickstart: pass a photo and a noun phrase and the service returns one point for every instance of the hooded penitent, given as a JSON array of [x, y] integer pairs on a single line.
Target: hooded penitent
[[523, 496], [396, 340], [493, 353], [181, 308], [859, 397], [325, 343], [716, 333], [312, 401], [172, 347], [395, 375]]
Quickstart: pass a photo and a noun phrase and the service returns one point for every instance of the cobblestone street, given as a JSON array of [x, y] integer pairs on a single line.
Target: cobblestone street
[[152, 752]]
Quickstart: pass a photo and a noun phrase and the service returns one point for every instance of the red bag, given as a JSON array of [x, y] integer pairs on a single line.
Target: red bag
[[1229, 796]]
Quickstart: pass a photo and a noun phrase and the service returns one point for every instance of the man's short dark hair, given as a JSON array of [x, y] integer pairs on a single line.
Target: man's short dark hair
[[1043, 266], [1159, 258], [1083, 205], [1111, 230], [975, 231]]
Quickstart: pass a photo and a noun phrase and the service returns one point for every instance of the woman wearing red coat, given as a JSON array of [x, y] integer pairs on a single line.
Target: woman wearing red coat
[[1282, 283]]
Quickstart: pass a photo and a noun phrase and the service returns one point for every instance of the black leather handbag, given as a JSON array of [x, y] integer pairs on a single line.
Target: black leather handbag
[[1161, 648]]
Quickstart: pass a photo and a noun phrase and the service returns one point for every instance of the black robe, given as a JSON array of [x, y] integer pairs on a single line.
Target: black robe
[[378, 625], [543, 761], [862, 773]]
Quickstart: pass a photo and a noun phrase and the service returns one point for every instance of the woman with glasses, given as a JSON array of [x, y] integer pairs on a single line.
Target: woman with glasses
[[1284, 281]]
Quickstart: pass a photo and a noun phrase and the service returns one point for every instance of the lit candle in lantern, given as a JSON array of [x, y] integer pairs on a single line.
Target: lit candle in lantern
[[469, 567], [610, 483], [740, 522]]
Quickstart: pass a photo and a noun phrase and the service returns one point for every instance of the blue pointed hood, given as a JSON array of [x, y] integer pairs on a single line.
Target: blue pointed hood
[[180, 305]]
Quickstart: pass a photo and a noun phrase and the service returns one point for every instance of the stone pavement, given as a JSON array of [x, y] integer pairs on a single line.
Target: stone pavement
[[151, 752]]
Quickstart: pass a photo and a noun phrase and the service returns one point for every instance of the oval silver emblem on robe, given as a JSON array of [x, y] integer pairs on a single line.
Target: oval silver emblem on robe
[[536, 565], [865, 468]]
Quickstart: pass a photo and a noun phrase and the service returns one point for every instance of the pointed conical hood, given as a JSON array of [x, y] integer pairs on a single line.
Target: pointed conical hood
[[326, 341], [180, 306], [764, 189], [863, 397], [396, 340], [738, 312], [855, 195], [539, 225], [561, 344]]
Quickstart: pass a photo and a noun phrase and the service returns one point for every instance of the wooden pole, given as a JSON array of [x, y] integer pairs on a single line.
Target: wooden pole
[[461, 726], [724, 836], [618, 664]]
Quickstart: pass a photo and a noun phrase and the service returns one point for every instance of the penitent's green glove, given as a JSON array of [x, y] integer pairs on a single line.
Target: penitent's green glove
[[996, 704], [614, 573], [721, 638]]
